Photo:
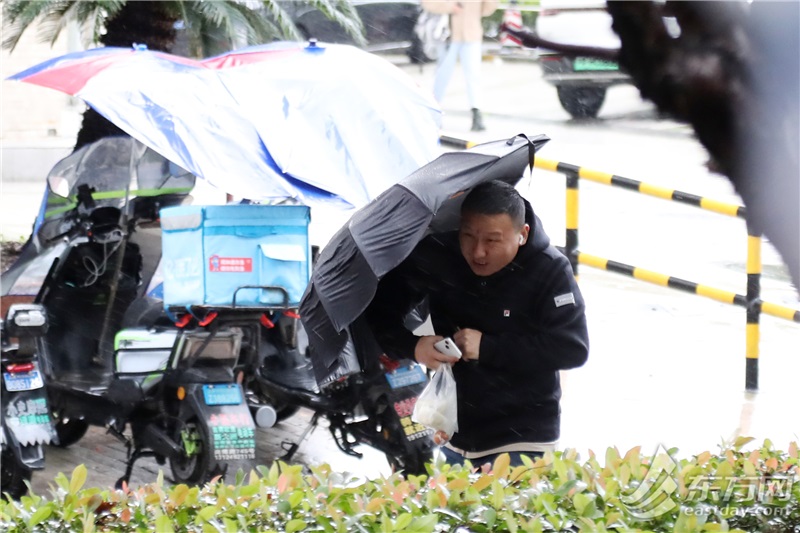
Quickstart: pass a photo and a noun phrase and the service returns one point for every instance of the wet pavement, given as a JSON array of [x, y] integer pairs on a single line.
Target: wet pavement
[[665, 367]]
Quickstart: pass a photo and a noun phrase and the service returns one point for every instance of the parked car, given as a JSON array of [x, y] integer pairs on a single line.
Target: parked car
[[581, 82], [388, 24]]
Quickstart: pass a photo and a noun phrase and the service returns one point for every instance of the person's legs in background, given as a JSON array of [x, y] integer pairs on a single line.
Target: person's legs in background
[[471, 56], [444, 68]]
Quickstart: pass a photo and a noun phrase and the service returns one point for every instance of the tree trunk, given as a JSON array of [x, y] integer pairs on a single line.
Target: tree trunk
[[149, 23]]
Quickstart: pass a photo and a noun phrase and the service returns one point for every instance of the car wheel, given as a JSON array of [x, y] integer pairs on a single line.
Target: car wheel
[[582, 102]]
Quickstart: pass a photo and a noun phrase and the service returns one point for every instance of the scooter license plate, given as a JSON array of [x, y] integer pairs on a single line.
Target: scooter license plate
[[406, 376], [23, 381], [222, 394]]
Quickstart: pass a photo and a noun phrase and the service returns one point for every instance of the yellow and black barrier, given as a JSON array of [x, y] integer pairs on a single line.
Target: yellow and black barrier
[[751, 300], [455, 142]]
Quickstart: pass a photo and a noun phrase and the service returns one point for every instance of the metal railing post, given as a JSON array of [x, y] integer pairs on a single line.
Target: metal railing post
[[571, 247], [753, 297]]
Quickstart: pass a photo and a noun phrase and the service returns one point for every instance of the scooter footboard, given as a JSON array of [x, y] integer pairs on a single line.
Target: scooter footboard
[[222, 409]]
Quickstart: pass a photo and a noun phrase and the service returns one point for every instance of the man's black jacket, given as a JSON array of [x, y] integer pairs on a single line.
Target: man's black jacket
[[532, 318]]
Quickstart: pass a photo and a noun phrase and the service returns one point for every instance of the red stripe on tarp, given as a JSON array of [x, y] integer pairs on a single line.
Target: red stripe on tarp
[[235, 60], [72, 77]]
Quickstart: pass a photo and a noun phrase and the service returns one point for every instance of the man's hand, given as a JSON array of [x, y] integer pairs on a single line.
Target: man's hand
[[469, 342], [427, 355]]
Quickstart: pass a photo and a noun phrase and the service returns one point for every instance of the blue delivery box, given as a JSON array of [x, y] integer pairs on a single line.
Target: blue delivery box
[[208, 252]]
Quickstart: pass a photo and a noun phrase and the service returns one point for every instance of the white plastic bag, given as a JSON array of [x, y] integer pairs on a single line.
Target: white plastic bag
[[436, 406]]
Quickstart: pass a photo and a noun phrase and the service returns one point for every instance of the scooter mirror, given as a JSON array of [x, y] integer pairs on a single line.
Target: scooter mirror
[[58, 186]]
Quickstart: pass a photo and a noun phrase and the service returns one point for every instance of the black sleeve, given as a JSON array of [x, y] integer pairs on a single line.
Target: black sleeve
[[398, 293], [560, 340]]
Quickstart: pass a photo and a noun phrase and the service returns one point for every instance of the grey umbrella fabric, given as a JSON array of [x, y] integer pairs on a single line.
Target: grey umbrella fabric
[[382, 234]]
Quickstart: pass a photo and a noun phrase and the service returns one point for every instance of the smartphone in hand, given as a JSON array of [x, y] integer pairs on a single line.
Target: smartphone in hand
[[448, 347]]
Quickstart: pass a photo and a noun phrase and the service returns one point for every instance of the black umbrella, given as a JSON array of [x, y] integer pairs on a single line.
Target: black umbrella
[[379, 236]]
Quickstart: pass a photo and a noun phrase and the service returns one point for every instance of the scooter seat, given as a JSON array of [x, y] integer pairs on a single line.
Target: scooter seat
[[298, 377], [91, 380]]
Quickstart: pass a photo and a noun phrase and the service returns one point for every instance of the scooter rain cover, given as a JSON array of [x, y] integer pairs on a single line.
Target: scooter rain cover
[[26, 415]]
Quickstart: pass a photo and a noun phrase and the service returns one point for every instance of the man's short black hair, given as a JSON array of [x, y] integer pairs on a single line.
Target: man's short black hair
[[495, 198]]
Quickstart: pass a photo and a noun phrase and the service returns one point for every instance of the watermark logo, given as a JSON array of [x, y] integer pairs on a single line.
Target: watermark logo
[[654, 496], [726, 495]]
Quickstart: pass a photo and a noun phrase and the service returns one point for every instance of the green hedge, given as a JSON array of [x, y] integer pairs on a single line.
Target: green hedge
[[734, 490]]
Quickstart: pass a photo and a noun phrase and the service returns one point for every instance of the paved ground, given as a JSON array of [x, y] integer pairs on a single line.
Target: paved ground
[[665, 367]]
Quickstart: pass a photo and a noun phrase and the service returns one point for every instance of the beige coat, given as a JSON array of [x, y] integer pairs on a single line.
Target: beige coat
[[465, 27]]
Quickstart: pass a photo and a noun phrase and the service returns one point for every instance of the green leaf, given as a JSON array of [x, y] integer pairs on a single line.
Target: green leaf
[[511, 521], [230, 525], [564, 489], [326, 524], [295, 498], [284, 507], [40, 515], [591, 511], [249, 490], [490, 517], [624, 475], [581, 501], [78, 479], [498, 495], [62, 481], [387, 526], [295, 525], [403, 521], [164, 524], [424, 524], [207, 513]]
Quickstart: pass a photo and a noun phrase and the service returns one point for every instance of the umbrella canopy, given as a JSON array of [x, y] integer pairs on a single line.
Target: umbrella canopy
[[379, 236], [330, 124]]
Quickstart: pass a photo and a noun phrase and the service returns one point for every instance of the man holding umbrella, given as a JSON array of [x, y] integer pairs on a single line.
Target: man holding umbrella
[[509, 300]]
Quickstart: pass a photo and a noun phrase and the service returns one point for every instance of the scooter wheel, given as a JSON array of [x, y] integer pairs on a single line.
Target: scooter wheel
[[411, 462], [196, 465], [13, 475], [70, 431]]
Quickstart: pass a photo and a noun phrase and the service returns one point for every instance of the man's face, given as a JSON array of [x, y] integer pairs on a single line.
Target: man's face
[[489, 242]]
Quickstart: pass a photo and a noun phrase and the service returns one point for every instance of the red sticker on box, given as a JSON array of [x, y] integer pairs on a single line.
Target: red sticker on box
[[230, 264]]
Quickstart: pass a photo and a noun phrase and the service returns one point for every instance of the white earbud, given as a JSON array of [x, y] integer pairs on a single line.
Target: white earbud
[[521, 239]]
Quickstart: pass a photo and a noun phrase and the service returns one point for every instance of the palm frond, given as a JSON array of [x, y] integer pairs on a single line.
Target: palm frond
[[51, 17], [284, 23], [92, 16], [19, 15], [343, 13], [235, 19], [261, 29], [56, 20]]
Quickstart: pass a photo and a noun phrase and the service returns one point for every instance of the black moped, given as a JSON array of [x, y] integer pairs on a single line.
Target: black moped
[[368, 401], [111, 356]]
